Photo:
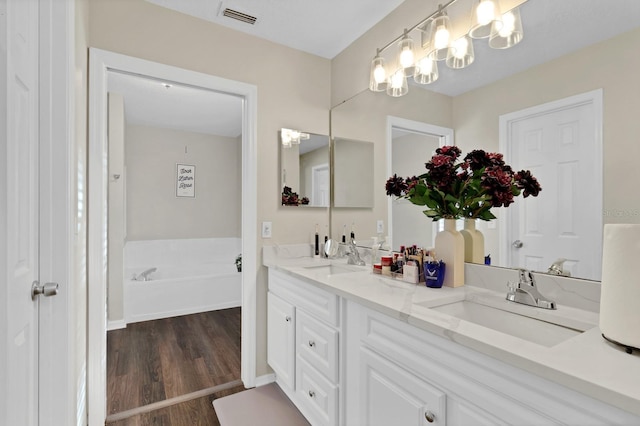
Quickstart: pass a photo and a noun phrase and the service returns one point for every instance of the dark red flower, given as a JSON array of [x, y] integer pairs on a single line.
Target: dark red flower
[[524, 180], [396, 186]]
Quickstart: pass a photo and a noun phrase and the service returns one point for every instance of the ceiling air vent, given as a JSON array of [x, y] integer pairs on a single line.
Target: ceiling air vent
[[239, 16]]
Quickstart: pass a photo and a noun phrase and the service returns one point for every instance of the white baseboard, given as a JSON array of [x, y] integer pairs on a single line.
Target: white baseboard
[[265, 380], [116, 325]]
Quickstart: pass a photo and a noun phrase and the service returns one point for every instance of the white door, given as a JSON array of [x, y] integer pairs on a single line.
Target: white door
[[320, 186], [560, 144], [22, 212]]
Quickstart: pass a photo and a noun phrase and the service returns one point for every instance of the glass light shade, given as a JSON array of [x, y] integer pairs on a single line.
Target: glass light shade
[[378, 77], [462, 54], [397, 84], [440, 37], [510, 32], [406, 55], [426, 71], [485, 19]]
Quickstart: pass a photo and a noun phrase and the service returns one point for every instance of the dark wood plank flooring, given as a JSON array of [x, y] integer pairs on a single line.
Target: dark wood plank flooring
[[158, 360], [197, 412]]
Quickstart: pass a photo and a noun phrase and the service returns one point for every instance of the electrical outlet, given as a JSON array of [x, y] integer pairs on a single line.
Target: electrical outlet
[[380, 226], [266, 229]]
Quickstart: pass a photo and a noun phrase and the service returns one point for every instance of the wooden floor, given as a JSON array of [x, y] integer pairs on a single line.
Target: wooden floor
[[154, 361]]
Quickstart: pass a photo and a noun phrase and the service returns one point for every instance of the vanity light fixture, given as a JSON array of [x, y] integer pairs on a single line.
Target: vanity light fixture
[[509, 33], [485, 19], [378, 78], [438, 43], [440, 36], [292, 137]]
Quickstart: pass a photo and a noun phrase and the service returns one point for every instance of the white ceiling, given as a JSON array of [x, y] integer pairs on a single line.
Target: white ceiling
[[552, 28], [322, 27], [150, 102]]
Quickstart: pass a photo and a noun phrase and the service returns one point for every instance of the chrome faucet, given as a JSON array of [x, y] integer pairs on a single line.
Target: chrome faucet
[[526, 292], [557, 268], [353, 254], [144, 276]]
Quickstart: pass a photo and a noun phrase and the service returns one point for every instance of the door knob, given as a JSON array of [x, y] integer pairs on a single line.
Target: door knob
[[48, 289], [517, 244]]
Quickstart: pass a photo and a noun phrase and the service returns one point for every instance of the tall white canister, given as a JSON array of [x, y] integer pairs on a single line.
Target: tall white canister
[[620, 293]]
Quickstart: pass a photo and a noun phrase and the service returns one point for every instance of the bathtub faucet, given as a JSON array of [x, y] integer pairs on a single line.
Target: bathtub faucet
[[144, 276]]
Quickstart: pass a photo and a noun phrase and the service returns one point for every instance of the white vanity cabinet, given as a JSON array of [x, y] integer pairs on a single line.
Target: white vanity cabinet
[[398, 371], [303, 345]]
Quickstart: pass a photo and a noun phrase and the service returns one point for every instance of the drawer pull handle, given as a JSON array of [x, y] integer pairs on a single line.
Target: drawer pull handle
[[312, 394], [287, 318], [311, 343], [429, 416]]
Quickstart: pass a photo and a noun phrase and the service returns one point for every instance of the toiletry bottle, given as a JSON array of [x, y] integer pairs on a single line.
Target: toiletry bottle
[[344, 233], [317, 242]]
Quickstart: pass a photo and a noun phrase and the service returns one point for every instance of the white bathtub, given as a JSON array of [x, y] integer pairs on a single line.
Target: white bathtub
[[192, 276]]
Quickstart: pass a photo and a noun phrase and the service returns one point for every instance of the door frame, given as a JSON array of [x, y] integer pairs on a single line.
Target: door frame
[[100, 62], [446, 136], [506, 121]]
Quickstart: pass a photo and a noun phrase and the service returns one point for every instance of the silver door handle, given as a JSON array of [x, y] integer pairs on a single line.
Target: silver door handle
[[48, 289], [517, 244]]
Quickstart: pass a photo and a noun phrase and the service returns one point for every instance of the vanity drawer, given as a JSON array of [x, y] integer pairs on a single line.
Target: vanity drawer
[[313, 300], [318, 397], [317, 344]]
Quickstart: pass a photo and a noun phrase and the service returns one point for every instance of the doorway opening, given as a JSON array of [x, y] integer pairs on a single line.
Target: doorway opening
[[409, 145], [174, 233], [101, 64]]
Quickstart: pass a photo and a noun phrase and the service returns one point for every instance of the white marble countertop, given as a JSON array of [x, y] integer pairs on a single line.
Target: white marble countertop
[[585, 362]]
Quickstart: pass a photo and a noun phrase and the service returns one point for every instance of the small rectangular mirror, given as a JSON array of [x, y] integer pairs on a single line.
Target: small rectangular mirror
[[353, 173], [304, 169]]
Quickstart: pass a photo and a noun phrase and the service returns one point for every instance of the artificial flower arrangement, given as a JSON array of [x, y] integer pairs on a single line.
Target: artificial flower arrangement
[[453, 189], [290, 198]]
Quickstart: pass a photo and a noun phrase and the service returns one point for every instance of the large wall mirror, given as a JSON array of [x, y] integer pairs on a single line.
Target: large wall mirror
[[304, 169], [607, 62]]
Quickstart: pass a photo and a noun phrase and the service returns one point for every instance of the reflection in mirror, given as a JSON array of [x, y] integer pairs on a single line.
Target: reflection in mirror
[[473, 105], [352, 173], [304, 169], [408, 225]]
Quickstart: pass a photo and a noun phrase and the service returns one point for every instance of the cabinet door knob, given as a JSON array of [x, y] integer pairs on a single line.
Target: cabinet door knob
[[312, 394], [287, 318], [429, 416], [311, 343]]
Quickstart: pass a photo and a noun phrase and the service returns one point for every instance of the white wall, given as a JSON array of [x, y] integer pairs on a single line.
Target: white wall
[[153, 210]]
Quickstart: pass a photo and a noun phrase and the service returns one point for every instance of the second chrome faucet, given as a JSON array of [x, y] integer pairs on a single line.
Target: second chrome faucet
[[526, 292]]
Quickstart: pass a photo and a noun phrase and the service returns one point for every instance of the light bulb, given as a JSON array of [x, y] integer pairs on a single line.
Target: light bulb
[[486, 12], [406, 57], [441, 37], [379, 74], [425, 65], [460, 47], [508, 24], [397, 79]]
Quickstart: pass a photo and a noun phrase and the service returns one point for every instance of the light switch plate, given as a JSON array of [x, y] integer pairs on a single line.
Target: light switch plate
[[266, 229], [380, 226]]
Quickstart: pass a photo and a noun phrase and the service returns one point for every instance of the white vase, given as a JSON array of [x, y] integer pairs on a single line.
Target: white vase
[[473, 242], [450, 248]]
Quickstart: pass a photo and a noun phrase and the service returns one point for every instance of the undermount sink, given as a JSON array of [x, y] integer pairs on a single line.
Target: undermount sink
[[334, 269], [524, 327]]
